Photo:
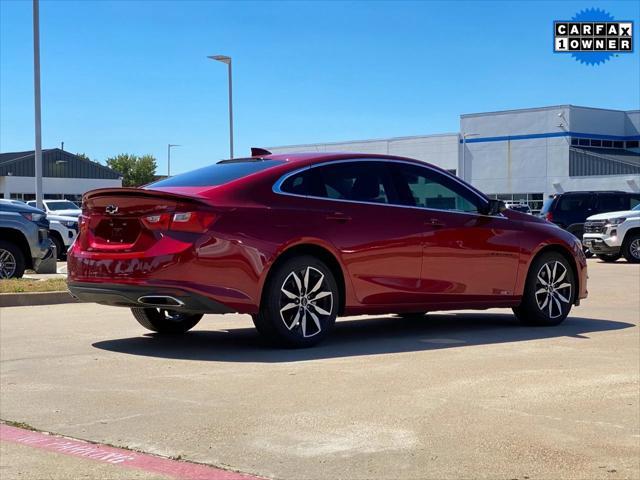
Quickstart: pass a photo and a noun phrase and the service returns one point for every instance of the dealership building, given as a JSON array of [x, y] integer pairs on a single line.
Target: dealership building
[[524, 155], [64, 175]]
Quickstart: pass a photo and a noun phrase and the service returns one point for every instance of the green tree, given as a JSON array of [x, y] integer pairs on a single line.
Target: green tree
[[135, 171], [84, 156]]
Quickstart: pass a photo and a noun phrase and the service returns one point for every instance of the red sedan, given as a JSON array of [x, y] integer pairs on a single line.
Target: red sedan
[[296, 240]]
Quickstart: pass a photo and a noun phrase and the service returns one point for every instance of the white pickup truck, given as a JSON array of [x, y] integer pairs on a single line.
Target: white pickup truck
[[615, 234]]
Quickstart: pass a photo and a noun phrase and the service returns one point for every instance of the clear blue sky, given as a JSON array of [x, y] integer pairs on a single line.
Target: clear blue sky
[[131, 77]]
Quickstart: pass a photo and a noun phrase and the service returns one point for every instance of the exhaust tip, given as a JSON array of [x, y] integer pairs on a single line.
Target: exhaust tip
[[160, 301]]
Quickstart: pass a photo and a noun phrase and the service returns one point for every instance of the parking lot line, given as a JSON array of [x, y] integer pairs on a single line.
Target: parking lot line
[[116, 456]]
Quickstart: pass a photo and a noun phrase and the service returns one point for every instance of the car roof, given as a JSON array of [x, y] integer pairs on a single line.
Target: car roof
[[321, 157]]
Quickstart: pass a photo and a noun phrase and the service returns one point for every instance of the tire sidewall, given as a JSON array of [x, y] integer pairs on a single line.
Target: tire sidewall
[[627, 249], [270, 309]]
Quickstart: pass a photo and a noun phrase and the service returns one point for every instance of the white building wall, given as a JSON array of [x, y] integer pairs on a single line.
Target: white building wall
[[53, 186], [440, 150]]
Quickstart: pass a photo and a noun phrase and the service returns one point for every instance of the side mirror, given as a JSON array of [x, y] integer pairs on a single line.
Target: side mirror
[[494, 207]]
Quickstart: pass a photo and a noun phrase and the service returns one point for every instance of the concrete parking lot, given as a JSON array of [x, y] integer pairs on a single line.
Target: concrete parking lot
[[453, 395]]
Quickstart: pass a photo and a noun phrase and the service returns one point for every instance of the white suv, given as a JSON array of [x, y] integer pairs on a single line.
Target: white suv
[[614, 234]]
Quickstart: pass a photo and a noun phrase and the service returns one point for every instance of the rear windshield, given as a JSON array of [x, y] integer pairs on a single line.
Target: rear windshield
[[216, 174]]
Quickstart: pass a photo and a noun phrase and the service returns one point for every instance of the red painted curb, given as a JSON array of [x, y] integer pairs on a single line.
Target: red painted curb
[[117, 456]]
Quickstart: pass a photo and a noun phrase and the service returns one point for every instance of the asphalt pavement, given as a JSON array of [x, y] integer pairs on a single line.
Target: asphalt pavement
[[454, 395]]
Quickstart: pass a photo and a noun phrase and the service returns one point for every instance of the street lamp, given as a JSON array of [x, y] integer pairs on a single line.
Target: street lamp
[[227, 60], [463, 173], [36, 95], [169, 146]]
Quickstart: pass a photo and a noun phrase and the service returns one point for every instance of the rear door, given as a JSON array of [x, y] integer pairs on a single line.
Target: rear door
[[379, 242], [467, 256]]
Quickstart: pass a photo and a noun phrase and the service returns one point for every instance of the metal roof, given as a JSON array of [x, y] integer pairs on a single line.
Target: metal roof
[[55, 163]]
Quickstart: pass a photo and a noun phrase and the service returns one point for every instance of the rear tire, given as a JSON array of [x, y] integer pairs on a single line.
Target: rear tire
[[549, 292], [299, 304], [631, 248], [165, 321], [609, 258], [12, 262]]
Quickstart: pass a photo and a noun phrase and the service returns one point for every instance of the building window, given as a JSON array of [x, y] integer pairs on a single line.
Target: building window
[[607, 143], [596, 143], [584, 142], [632, 144], [575, 141], [618, 144]]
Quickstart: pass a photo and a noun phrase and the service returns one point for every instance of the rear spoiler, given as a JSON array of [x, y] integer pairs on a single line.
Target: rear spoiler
[[138, 192]]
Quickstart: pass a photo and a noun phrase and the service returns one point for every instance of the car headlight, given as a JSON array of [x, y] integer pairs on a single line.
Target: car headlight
[[70, 223], [34, 217], [615, 221]]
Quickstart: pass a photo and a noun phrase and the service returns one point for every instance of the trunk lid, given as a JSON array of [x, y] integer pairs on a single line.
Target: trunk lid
[[116, 219]]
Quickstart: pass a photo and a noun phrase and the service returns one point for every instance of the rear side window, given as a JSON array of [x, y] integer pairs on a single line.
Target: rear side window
[[216, 174], [635, 201], [355, 181], [612, 203], [574, 203]]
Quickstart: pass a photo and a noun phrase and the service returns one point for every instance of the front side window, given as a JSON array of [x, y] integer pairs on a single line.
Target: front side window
[[426, 188]]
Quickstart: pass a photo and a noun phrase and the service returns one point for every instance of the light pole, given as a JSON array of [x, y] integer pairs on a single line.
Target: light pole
[[463, 166], [227, 60], [36, 95], [169, 146]]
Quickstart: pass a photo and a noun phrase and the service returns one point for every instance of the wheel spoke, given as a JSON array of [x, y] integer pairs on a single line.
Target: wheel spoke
[[304, 322], [288, 306], [317, 285], [542, 280], [320, 310], [297, 280], [541, 290], [562, 275], [550, 306], [553, 275], [306, 279], [563, 286], [319, 296], [316, 320], [561, 297], [557, 302], [548, 270], [294, 322], [544, 304], [288, 293]]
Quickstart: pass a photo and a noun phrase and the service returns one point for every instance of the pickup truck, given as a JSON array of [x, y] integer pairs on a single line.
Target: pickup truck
[[24, 239], [614, 234]]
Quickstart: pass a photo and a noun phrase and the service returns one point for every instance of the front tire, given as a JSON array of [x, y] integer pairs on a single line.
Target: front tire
[[609, 258], [12, 262], [549, 291], [299, 304], [165, 321], [631, 249]]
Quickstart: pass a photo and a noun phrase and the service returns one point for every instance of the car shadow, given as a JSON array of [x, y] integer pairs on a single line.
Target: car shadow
[[357, 337]]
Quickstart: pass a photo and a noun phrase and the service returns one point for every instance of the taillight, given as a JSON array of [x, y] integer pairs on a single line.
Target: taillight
[[158, 221], [549, 217], [197, 222]]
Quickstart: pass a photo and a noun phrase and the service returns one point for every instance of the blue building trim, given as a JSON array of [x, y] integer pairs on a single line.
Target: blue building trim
[[551, 135]]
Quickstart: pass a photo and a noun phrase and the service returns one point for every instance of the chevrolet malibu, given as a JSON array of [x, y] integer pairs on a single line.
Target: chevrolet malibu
[[297, 240]]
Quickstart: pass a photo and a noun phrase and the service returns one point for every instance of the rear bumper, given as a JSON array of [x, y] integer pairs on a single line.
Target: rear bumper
[[121, 295]]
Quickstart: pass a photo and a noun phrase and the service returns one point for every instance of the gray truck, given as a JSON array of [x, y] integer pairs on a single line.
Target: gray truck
[[24, 239]]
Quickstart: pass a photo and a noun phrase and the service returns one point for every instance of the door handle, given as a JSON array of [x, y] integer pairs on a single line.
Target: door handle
[[338, 217], [434, 222]]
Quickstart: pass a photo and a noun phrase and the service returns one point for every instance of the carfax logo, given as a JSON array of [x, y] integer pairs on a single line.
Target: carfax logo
[[593, 36]]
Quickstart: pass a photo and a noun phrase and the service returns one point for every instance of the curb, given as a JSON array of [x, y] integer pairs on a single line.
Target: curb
[[27, 299]]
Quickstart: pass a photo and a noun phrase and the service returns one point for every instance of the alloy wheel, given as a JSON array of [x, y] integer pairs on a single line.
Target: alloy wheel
[[634, 248], [552, 289], [7, 264], [305, 301]]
